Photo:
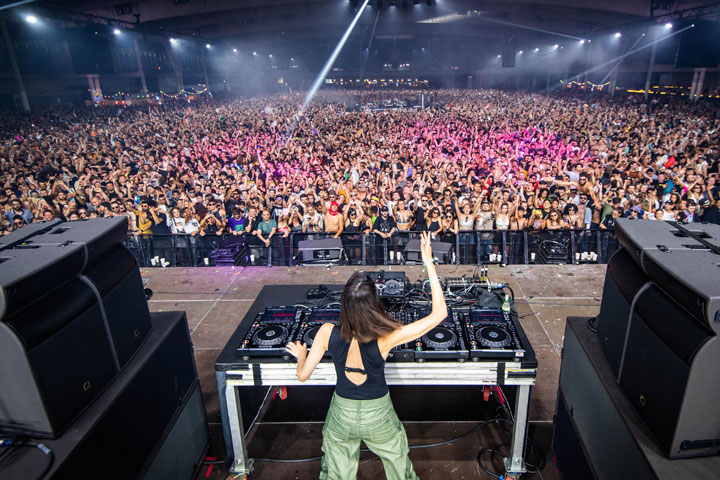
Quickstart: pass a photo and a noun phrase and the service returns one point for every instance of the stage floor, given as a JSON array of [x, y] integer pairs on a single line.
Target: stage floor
[[217, 298]]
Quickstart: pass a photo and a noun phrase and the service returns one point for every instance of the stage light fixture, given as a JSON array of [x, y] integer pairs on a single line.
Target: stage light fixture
[[618, 35], [234, 50], [117, 32], [520, 52], [556, 45], [499, 56], [173, 41], [582, 42], [537, 49], [668, 25], [254, 53], [207, 45], [270, 55], [31, 19]]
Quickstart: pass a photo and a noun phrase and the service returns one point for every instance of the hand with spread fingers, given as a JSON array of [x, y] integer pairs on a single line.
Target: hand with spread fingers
[[297, 349]]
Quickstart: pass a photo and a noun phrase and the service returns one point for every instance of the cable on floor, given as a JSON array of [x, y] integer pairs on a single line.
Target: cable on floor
[[412, 447], [14, 444]]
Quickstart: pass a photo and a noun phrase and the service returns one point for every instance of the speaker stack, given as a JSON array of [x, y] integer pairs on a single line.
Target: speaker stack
[[74, 329], [658, 330]]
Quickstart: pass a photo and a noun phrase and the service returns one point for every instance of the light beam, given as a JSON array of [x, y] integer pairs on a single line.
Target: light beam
[[328, 65]]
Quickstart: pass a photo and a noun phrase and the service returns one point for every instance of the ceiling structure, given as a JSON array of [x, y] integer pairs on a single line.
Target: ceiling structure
[[231, 20]]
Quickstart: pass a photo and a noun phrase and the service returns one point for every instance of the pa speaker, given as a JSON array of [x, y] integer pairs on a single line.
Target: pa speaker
[[440, 250], [320, 251], [19, 236], [72, 314], [151, 419], [623, 281], [658, 325], [682, 260]]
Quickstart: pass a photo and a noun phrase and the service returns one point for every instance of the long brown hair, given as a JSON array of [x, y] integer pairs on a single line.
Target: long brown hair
[[362, 313]]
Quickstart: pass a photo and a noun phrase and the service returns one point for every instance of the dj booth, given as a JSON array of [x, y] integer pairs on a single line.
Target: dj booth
[[253, 363]]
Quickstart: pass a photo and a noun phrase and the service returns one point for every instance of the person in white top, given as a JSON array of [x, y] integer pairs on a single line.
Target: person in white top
[[668, 212]]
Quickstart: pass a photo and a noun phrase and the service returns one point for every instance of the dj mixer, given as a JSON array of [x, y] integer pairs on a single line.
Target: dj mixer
[[466, 333], [476, 329], [406, 351]]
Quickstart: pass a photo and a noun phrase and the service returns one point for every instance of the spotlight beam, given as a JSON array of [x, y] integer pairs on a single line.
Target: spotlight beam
[[366, 54], [16, 4], [527, 27], [627, 54], [330, 61], [619, 61]]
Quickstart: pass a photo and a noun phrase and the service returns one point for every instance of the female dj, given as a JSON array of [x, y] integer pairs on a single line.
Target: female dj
[[361, 409]]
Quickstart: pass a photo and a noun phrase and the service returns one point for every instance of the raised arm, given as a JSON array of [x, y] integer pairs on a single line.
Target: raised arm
[[419, 328]]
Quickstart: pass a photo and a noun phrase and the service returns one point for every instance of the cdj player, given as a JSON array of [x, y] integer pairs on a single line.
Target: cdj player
[[491, 333], [270, 333], [311, 323], [446, 341]]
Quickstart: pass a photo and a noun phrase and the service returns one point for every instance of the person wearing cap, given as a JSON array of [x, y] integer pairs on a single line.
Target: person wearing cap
[[383, 228]]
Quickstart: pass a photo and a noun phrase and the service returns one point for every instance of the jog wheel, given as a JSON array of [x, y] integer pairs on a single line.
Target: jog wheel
[[392, 287], [493, 337], [270, 336], [309, 336], [441, 338]]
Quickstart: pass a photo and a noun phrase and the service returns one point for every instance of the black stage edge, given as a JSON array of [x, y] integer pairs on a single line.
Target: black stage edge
[[598, 434], [310, 403]]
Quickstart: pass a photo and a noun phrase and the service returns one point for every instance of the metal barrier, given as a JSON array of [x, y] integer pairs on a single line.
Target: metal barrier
[[474, 247]]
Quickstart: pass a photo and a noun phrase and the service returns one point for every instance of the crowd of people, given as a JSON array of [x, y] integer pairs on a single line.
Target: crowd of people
[[475, 160]]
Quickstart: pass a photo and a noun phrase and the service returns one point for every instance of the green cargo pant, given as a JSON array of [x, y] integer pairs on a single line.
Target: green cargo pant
[[372, 421]]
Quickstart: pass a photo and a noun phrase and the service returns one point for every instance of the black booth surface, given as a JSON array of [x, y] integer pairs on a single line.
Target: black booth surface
[[446, 403], [148, 423], [598, 434]]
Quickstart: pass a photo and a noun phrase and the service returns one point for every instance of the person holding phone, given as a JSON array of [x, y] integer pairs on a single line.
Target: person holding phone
[[361, 409]]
